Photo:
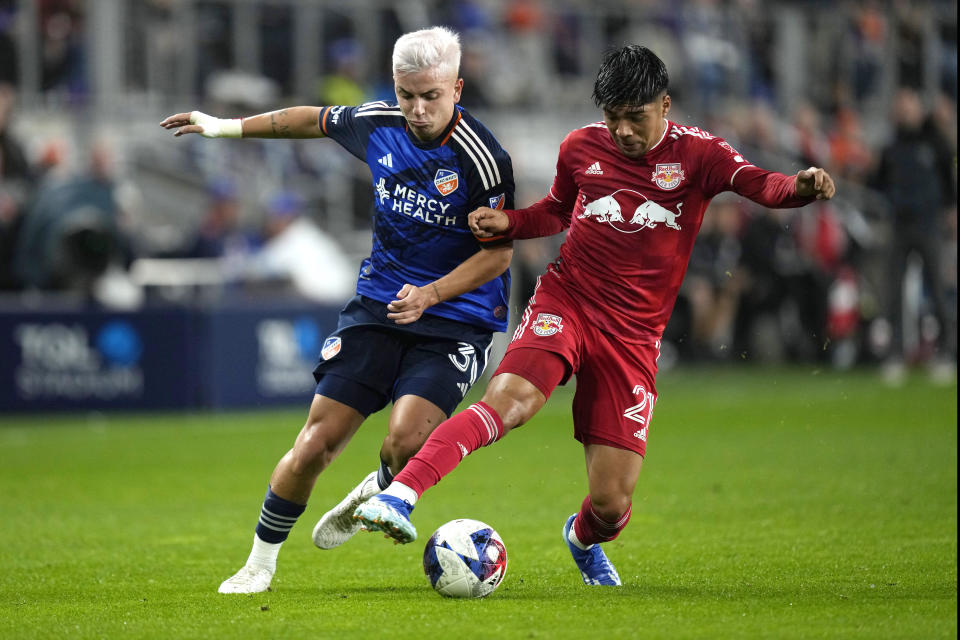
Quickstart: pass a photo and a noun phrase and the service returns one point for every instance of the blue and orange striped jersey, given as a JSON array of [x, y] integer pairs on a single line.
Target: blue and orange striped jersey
[[423, 193]]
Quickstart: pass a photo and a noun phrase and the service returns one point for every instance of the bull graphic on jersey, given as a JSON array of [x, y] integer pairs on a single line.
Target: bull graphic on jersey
[[649, 214], [605, 209]]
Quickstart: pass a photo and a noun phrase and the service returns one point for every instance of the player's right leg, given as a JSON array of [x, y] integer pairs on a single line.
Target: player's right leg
[[431, 377], [330, 425]]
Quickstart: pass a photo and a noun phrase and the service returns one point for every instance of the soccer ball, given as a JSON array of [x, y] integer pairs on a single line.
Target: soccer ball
[[465, 559]]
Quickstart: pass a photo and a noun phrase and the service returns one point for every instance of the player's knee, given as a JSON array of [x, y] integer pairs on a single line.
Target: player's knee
[[314, 450], [399, 447], [514, 403]]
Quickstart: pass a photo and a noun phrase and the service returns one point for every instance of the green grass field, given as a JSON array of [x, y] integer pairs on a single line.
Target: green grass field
[[773, 504]]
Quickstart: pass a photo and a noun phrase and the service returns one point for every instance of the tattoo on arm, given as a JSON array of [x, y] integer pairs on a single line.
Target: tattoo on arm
[[280, 130]]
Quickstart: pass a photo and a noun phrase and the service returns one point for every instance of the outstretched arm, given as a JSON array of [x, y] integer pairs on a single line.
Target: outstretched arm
[[294, 122], [481, 267], [776, 190]]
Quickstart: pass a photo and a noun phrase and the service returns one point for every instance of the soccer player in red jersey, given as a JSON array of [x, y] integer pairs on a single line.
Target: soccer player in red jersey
[[632, 190]]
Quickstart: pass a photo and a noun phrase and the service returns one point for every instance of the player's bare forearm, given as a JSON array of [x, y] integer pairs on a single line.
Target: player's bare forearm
[[481, 267], [294, 122]]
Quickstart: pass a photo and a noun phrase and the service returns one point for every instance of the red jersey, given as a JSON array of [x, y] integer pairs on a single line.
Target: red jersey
[[633, 221]]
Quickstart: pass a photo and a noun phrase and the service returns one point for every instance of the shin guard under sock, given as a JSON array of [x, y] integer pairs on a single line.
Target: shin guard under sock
[[476, 426]]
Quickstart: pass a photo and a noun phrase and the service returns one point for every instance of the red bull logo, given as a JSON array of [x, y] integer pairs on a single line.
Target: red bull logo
[[446, 181], [547, 324], [668, 176]]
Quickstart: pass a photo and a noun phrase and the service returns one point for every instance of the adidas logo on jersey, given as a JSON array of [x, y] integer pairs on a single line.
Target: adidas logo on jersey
[[387, 160], [594, 170]]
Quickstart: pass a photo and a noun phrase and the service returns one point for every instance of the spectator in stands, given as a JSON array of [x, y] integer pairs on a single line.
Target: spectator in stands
[[69, 235], [782, 311], [850, 156], [296, 250], [808, 136], [16, 185], [917, 174], [219, 235], [344, 84], [712, 284], [9, 70], [62, 47]]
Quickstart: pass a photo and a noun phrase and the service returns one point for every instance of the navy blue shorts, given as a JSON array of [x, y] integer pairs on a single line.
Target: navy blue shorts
[[367, 366]]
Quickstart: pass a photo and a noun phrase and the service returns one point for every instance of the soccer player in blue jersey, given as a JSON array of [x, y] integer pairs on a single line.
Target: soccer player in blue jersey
[[429, 296]]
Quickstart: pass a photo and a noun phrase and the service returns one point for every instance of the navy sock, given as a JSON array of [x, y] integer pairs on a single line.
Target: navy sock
[[384, 477], [277, 517]]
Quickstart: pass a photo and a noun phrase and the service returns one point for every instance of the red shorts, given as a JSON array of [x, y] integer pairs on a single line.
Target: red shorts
[[615, 393]]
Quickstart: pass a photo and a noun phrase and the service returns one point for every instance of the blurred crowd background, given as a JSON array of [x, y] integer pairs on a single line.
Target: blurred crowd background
[[100, 206]]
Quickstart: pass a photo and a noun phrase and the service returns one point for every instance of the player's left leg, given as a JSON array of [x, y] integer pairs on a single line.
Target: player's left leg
[[413, 419], [612, 475]]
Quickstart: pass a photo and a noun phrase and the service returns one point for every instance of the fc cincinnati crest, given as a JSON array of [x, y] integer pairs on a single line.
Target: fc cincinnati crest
[[547, 324], [668, 176], [446, 181], [330, 348]]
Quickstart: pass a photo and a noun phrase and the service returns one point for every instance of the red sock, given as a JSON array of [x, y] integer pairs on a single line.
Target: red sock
[[476, 426], [591, 528]]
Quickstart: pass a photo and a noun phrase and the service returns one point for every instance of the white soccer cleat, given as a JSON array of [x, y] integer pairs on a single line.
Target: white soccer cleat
[[338, 525], [249, 579]]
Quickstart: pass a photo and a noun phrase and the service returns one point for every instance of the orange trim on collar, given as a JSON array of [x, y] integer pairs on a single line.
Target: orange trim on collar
[[450, 133]]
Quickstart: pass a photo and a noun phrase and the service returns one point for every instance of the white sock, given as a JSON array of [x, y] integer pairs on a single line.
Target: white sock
[[264, 554], [575, 541], [402, 491]]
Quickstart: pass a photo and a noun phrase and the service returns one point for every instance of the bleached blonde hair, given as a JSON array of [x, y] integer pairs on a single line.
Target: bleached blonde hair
[[435, 48]]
